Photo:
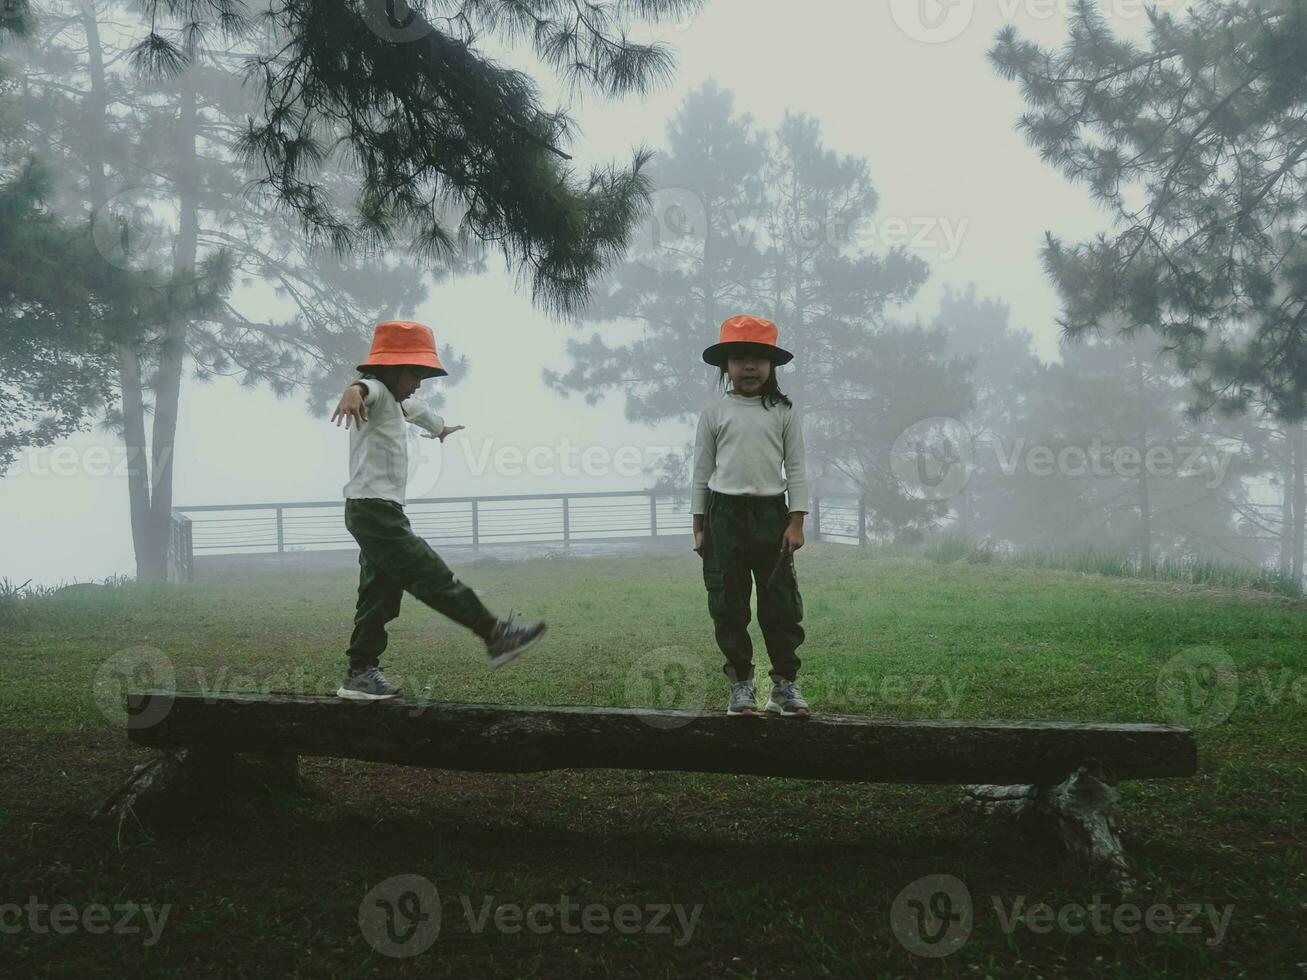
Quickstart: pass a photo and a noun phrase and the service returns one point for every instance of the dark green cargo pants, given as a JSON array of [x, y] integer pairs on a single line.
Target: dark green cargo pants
[[393, 560], [741, 542]]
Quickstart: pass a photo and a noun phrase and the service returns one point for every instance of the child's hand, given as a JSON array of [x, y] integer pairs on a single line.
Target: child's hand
[[351, 406], [793, 539], [698, 540], [446, 431]]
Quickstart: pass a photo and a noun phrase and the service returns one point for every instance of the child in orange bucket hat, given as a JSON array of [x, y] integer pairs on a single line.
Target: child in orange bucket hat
[[745, 529], [392, 559]]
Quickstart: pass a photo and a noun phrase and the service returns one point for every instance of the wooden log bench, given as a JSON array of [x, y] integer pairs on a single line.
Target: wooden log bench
[[1060, 773]]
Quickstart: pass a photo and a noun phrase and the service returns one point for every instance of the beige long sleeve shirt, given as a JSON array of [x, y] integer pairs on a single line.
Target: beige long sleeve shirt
[[378, 450], [740, 448]]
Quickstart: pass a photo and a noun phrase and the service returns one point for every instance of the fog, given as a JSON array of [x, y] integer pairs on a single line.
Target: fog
[[958, 185]]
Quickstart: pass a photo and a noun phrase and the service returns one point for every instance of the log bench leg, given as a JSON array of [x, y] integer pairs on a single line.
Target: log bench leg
[[1081, 811], [178, 785]]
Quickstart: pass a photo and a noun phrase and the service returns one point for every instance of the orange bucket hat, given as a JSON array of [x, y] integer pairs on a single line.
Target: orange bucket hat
[[403, 342], [745, 334]]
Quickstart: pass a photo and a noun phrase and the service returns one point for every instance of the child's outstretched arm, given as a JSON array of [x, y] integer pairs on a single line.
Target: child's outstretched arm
[[424, 418], [705, 461], [353, 404], [796, 481]]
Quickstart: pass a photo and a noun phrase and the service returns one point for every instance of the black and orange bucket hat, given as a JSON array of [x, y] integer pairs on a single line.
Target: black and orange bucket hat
[[747, 335], [404, 343]]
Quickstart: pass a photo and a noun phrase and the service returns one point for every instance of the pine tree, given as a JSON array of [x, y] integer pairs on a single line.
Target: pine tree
[[1196, 146], [771, 224]]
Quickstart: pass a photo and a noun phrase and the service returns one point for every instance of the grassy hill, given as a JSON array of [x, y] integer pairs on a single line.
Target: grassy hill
[[794, 878]]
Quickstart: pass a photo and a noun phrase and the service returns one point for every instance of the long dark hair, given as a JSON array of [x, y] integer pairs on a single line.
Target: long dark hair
[[771, 390]]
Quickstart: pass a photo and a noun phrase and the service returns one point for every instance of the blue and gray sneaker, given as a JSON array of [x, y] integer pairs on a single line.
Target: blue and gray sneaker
[[510, 640], [369, 684], [744, 699], [786, 700]]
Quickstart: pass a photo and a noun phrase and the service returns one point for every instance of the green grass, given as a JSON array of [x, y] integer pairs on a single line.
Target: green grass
[[950, 546], [795, 878]]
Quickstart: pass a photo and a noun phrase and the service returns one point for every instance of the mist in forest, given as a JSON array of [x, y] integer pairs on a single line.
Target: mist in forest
[[1021, 314]]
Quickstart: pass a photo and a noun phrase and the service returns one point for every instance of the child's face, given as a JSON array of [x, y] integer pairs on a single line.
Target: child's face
[[407, 381], [749, 372]]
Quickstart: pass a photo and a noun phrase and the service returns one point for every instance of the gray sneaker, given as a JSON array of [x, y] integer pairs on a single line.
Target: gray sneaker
[[744, 699], [787, 701], [367, 685], [510, 640]]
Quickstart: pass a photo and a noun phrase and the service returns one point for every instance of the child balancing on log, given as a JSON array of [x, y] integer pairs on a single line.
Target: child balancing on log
[[392, 559], [743, 526]]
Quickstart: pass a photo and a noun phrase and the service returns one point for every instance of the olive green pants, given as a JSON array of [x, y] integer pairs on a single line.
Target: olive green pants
[[741, 543], [393, 560]]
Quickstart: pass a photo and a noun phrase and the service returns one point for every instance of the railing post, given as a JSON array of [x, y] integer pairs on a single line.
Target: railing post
[[181, 549], [862, 520], [281, 533], [476, 527], [653, 514], [816, 518], [567, 522]]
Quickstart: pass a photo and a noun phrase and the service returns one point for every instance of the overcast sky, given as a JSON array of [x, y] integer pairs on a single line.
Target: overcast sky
[[903, 83]]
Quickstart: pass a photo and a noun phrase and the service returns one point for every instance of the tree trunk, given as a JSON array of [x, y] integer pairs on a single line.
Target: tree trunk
[[1299, 500], [1145, 504], [129, 363], [167, 383], [138, 464], [1286, 505]]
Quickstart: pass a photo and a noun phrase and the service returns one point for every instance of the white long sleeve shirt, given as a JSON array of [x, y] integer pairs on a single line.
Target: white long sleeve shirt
[[740, 448], [378, 450]]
